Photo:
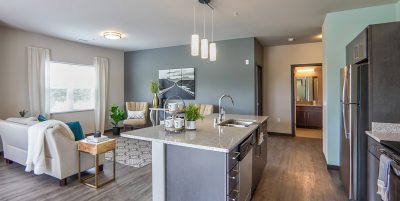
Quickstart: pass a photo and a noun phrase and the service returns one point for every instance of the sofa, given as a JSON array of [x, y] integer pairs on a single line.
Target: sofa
[[60, 151]]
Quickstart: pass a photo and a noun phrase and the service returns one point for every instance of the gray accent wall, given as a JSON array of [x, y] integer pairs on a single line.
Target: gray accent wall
[[228, 75]]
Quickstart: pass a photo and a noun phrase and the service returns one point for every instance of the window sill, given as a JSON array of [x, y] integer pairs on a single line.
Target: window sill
[[72, 111]]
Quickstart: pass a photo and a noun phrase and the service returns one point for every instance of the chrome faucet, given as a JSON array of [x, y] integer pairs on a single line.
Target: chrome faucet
[[221, 114]]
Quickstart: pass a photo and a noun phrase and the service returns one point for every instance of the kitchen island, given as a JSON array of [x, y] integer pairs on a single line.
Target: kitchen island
[[210, 163]]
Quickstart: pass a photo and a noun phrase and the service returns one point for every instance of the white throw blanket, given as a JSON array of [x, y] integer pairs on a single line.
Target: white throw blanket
[[36, 154], [26, 121]]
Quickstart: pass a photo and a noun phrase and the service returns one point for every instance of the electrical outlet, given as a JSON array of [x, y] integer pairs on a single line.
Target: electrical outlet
[[247, 62], [278, 120]]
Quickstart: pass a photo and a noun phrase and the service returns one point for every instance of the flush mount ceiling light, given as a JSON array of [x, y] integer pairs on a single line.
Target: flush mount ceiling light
[[112, 35], [309, 70], [291, 39]]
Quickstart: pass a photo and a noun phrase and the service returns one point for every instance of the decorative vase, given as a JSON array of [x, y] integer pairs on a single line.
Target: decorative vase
[[155, 101], [191, 125]]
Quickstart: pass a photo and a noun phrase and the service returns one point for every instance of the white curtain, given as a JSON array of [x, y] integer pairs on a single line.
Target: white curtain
[[101, 65], [38, 65]]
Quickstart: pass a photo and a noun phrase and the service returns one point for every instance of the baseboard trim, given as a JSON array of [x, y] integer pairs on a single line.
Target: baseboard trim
[[281, 134], [333, 167]]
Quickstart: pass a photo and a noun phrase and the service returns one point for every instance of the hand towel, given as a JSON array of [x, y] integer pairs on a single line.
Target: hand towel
[[383, 181]]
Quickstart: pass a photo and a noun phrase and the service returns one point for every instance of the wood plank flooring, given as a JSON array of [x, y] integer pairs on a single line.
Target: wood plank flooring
[[131, 184], [295, 171], [310, 133]]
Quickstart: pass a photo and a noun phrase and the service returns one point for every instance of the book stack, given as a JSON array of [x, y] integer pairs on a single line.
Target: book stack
[[92, 139]]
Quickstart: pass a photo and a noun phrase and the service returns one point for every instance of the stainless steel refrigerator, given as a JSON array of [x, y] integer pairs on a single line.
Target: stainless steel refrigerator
[[354, 122]]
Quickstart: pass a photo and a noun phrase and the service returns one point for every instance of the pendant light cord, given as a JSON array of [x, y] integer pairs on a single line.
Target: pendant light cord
[[194, 17], [204, 21], [212, 25]]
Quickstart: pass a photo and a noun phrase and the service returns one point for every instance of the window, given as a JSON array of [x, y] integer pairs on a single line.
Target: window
[[71, 86]]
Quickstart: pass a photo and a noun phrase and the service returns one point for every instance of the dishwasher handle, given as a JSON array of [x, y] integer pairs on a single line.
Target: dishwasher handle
[[246, 147]]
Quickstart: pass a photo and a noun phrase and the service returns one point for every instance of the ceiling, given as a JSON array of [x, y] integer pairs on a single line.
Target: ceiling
[[161, 23]]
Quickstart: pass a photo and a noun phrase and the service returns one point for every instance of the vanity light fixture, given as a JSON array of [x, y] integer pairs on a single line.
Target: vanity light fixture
[[309, 70], [112, 35]]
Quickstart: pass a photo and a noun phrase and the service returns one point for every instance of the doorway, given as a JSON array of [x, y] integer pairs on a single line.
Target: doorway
[[259, 84], [306, 100]]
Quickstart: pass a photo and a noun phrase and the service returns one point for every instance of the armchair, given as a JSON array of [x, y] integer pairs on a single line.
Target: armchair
[[136, 122], [205, 109]]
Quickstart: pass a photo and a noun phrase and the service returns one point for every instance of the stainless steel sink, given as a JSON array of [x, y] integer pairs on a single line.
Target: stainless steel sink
[[237, 123]]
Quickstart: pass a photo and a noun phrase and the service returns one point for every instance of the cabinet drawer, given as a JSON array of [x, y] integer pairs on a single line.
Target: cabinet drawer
[[232, 159], [232, 179], [234, 195]]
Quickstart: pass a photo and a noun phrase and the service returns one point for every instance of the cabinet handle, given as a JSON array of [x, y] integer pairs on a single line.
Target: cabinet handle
[[235, 198], [237, 154]]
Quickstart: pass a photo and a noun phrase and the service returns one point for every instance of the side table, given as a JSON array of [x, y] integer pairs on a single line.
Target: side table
[[154, 120], [95, 149]]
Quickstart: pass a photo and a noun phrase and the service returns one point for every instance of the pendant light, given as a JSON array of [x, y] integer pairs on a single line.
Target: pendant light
[[204, 41], [213, 45], [195, 42]]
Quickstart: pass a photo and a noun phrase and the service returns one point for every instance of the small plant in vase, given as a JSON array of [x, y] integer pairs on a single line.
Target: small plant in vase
[[154, 89], [22, 113], [116, 115], [192, 113]]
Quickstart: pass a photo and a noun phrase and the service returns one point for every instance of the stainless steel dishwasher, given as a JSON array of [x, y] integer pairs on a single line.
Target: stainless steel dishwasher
[[246, 168]]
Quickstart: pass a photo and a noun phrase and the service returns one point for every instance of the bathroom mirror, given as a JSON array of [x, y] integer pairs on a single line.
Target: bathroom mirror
[[307, 88]]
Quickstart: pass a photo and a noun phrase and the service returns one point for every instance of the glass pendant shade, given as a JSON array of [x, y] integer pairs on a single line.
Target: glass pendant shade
[[213, 51], [195, 44], [204, 48]]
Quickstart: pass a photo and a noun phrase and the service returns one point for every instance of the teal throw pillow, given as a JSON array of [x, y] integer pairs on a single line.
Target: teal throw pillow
[[41, 118], [76, 128]]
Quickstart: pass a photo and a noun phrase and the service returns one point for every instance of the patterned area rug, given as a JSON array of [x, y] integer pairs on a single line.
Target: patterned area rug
[[131, 152]]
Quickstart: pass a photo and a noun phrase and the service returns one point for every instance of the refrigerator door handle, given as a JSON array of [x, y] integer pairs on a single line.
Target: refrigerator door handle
[[344, 119], [344, 85], [344, 91]]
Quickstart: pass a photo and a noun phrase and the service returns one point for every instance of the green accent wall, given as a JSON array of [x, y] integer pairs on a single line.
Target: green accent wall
[[339, 29]]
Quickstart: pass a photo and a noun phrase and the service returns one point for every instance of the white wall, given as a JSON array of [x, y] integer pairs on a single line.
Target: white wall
[[14, 73], [276, 79]]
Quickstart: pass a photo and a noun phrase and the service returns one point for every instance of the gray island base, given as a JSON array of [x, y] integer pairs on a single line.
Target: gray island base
[[214, 163]]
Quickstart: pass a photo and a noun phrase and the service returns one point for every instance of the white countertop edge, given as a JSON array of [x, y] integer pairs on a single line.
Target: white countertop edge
[[370, 133], [176, 143]]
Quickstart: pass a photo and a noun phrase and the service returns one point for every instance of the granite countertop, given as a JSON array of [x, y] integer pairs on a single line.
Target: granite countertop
[[384, 131], [206, 136]]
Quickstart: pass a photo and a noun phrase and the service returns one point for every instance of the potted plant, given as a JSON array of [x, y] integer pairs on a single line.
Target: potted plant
[[116, 115], [154, 88], [22, 113], [192, 113]]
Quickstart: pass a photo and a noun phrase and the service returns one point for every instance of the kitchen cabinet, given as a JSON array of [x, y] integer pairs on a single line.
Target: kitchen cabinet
[[309, 116]]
